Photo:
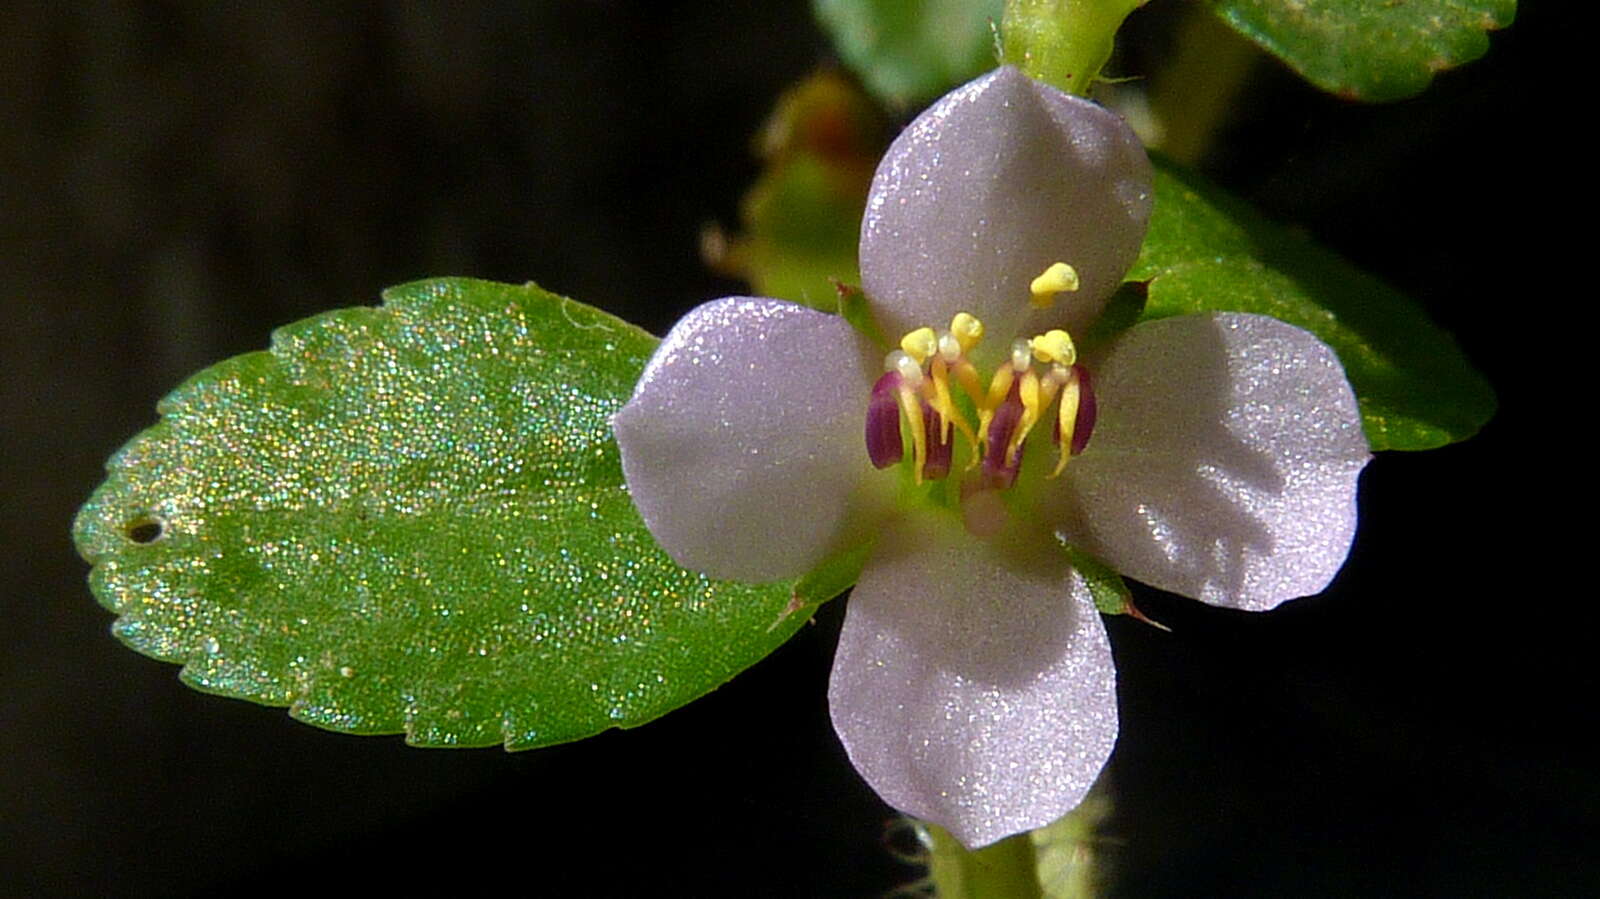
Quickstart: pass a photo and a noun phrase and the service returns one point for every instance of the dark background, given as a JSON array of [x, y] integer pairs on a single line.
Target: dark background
[[177, 179]]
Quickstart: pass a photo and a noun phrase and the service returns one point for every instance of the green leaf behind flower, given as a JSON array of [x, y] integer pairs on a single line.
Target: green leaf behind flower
[[1207, 250], [1369, 49], [909, 51], [412, 519], [801, 220], [797, 245]]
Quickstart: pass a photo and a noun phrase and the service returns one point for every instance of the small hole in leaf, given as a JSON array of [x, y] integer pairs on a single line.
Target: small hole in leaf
[[144, 530]]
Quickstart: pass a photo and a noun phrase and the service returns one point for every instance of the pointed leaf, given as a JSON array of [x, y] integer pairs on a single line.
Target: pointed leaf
[[412, 518], [1206, 250], [1369, 49], [1110, 593], [829, 580]]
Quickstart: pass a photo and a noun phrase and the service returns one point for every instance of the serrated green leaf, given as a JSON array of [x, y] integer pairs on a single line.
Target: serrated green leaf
[[1208, 251], [1369, 49], [412, 519], [910, 51]]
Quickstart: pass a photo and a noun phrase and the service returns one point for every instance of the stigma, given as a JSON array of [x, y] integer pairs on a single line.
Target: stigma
[[1058, 278], [932, 395]]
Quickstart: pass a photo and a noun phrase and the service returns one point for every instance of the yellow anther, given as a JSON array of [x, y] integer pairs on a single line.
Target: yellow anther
[[928, 360], [1071, 395], [967, 330], [1053, 280], [920, 344], [949, 347], [1054, 346]]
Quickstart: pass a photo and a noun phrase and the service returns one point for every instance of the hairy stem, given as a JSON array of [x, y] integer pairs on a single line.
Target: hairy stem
[[1062, 42]]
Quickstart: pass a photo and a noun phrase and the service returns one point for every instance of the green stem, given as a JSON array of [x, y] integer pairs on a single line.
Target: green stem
[[1062, 42], [1005, 870]]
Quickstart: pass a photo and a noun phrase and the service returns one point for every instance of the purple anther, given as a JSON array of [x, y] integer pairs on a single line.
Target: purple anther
[[939, 449], [1083, 424], [883, 422], [996, 473]]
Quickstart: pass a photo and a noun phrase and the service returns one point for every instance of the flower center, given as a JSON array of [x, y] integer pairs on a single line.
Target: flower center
[[915, 395]]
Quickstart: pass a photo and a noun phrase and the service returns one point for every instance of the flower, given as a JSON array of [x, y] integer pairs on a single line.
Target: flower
[[1214, 456]]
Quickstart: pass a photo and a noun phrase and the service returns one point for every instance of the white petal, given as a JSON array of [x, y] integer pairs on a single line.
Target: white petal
[[973, 685], [1224, 462], [998, 180], [744, 442]]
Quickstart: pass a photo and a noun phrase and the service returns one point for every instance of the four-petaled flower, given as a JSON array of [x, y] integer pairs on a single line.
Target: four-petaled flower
[[973, 684]]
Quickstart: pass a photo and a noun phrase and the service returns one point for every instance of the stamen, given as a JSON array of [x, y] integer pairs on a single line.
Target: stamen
[[1088, 411], [916, 386], [1075, 420], [999, 467], [1029, 394], [920, 344], [1021, 355], [1053, 280], [884, 446], [924, 363], [999, 389], [1066, 422], [967, 330], [967, 375], [911, 407], [909, 369], [943, 404], [1054, 347]]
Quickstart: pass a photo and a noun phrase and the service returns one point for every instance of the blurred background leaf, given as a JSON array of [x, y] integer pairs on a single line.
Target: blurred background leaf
[[802, 218], [908, 52]]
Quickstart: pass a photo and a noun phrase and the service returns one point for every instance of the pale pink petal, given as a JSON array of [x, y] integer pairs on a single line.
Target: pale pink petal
[[973, 685], [744, 442], [998, 180], [1224, 462]]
